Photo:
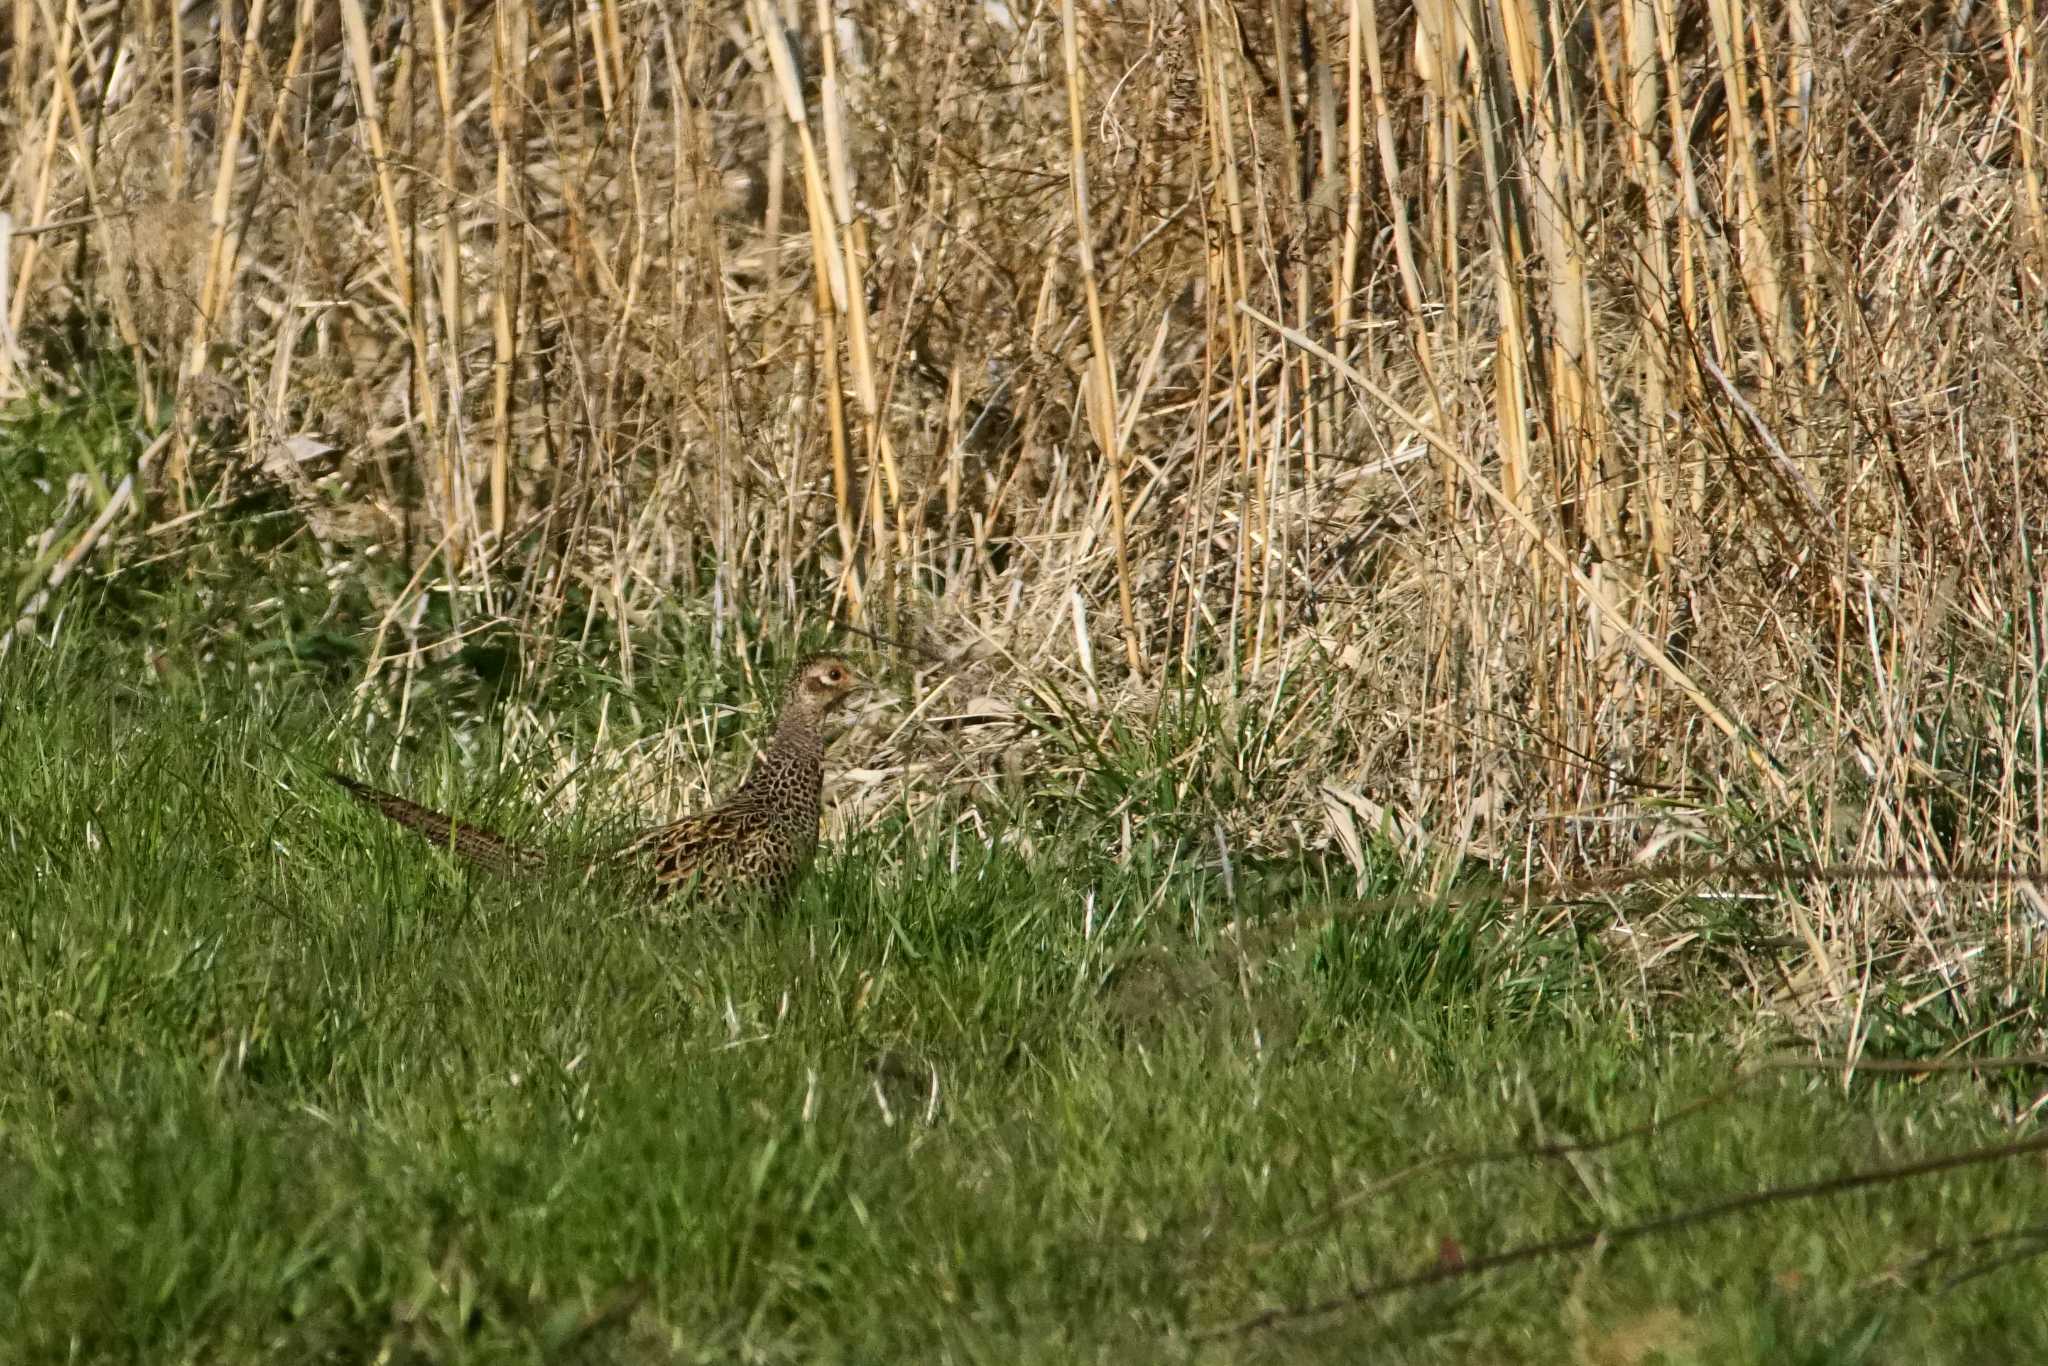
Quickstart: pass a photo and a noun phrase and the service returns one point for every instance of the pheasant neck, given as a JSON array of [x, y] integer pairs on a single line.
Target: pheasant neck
[[793, 763]]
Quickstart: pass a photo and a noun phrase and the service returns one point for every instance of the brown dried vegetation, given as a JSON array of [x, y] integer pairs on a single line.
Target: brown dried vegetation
[[1601, 431]]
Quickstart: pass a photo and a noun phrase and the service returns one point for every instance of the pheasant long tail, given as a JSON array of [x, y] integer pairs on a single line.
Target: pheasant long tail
[[481, 847]]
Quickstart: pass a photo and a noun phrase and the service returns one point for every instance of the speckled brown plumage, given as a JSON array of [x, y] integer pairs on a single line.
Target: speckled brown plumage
[[761, 838], [481, 847]]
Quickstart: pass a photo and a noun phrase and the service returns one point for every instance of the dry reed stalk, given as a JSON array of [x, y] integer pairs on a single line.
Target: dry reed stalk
[[508, 124], [1561, 354], [1692, 279], [1102, 382], [608, 56], [181, 140], [2019, 38], [829, 281], [19, 86], [11, 360], [124, 311], [220, 265], [879, 450], [1291, 204], [450, 456], [289, 79], [1365, 22], [1556, 203], [1360, 22], [39, 172], [398, 264], [1650, 270], [1810, 191], [1230, 281], [1744, 203]]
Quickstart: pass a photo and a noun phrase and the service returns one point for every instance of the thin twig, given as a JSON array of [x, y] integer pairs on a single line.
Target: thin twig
[[1618, 879], [1495, 1156], [1439, 1274]]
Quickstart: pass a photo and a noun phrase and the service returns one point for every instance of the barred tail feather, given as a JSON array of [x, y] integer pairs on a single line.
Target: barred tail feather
[[481, 847]]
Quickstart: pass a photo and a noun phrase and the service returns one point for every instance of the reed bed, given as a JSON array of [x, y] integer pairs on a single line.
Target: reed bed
[[1554, 436]]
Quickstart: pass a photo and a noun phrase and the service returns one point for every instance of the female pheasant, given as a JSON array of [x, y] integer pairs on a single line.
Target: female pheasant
[[760, 839]]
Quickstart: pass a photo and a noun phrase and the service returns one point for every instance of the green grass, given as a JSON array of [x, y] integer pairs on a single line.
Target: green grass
[[279, 1083]]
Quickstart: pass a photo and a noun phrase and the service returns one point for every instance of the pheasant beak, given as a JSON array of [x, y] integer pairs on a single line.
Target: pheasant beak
[[860, 693]]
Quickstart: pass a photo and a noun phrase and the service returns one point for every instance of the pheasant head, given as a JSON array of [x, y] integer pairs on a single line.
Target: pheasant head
[[822, 682]]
